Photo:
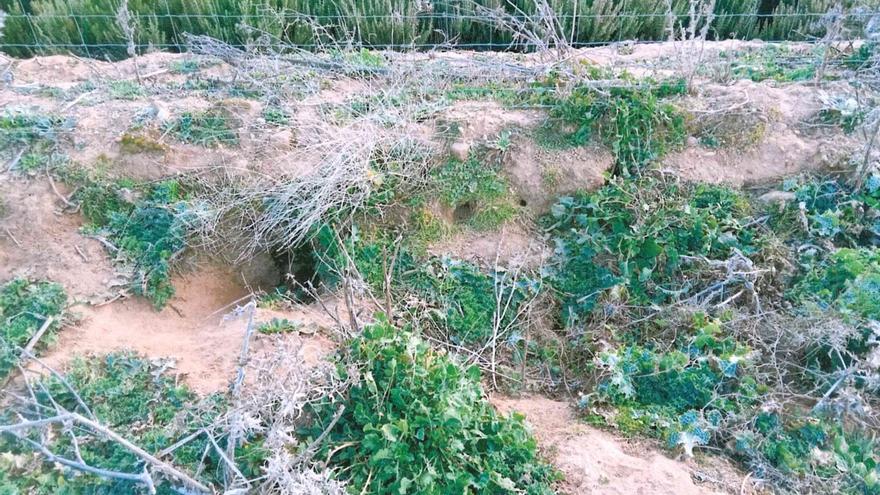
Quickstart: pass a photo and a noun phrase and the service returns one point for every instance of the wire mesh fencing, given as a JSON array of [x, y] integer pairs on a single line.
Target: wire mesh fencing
[[117, 28]]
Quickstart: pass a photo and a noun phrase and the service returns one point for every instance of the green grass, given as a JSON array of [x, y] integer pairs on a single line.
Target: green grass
[[774, 62], [126, 90], [186, 66], [279, 325], [24, 307], [275, 115]]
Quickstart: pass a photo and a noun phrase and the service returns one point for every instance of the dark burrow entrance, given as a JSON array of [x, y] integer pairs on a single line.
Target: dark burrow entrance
[[299, 270]]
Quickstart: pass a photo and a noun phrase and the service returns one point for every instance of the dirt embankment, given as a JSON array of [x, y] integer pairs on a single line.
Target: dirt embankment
[[39, 240], [598, 463]]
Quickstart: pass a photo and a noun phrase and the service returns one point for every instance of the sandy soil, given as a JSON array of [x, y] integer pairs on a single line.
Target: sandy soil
[[101, 121], [194, 330], [37, 240], [597, 463], [513, 244], [788, 145]]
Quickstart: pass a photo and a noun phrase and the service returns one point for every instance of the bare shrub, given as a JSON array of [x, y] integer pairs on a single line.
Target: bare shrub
[[274, 404], [690, 38]]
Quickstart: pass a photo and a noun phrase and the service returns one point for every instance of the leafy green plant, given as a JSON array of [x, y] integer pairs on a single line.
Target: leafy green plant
[[125, 90], [704, 370], [774, 62], [25, 307], [798, 445], [116, 388], [633, 241], [208, 128], [477, 192], [462, 297], [414, 421], [466, 297], [848, 280], [636, 124], [275, 115], [185, 66], [279, 325], [27, 128], [861, 57], [147, 234], [834, 211], [842, 111]]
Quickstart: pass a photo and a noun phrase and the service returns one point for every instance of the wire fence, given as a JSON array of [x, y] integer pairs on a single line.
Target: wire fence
[[115, 29]]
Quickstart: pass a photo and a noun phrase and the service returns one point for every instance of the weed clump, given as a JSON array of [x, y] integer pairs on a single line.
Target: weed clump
[[146, 235], [416, 422], [117, 389], [830, 210], [126, 90], [461, 296], [185, 66], [635, 123], [31, 129], [644, 242], [279, 325], [25, 307], [476, 191], [209, 128], [773, 62], [847, 281]]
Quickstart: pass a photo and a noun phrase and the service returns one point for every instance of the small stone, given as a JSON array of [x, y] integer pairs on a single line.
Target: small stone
[[160, 111]]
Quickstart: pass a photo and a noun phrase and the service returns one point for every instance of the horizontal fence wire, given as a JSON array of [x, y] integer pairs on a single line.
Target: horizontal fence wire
[[445, 16], [99, 34]]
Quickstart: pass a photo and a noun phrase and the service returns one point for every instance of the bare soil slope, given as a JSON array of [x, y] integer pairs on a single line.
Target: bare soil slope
[[595, 462]]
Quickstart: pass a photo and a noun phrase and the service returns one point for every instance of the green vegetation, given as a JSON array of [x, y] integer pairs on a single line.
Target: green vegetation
[[416, 422], [777, 63], [461, 295], [833, 210], [128, 394], [848, 281], [60, 26], [636, 124], [701, 378], [146, 235], [126, 90], [640, 242], [186, 66], [476, 190], [465, 297], [25, 307], [30, 129], [209, 128], [279, 325], [275, 115]]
